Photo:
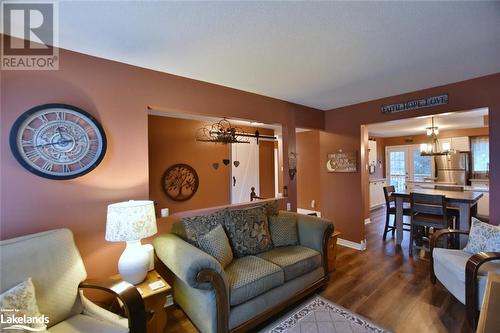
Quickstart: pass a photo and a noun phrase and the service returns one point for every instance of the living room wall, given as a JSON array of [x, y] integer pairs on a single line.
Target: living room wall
[[118, 95], [342, 193], [172, 141], [308, 181]]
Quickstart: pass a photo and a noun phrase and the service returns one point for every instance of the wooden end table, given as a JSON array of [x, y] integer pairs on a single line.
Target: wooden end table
[[154, 301], [332, 251]]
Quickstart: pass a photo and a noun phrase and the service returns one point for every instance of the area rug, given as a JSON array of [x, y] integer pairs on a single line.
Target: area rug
[[318, 315]]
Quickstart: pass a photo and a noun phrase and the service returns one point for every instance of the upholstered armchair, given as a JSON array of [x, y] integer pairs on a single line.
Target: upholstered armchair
[[463, 274], [52, 261]]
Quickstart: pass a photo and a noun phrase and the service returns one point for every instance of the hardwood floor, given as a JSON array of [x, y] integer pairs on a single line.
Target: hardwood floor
[[382, 284]]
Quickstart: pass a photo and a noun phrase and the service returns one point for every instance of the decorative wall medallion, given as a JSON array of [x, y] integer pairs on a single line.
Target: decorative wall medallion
[[58, 141], [215, 165], [236, 163], [180, 182]]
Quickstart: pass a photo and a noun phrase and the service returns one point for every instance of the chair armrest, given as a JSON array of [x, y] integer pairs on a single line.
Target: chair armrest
[[471, 288], [197, 269], [130, 297], [440, 233]]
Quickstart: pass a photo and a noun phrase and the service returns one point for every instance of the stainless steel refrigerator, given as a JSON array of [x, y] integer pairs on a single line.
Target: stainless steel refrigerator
[[453, 168]]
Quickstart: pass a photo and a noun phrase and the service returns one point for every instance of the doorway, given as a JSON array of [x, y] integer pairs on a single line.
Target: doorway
[[244, 171]]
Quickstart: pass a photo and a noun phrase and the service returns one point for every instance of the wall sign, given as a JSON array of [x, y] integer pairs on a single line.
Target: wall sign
[[415, 104], [342, 162]]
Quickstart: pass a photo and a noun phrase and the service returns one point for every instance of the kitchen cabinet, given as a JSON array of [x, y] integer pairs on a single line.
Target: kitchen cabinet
[[376, 192], [460, 143]]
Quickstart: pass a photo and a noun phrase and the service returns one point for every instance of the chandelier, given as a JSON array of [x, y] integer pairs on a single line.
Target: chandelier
[[432, 148]]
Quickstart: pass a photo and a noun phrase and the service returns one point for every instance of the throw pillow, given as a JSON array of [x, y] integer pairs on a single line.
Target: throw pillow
[[283, 230], [191, 228], [20, 301], [271, 208], [483, 237], [217, 245], [248, 231]]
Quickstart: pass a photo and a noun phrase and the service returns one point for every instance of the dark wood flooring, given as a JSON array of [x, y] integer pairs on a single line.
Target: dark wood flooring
[[382, 284]]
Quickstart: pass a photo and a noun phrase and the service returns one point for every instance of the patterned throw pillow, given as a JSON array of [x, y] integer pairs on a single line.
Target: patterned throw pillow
[[283, 230], [271, 208], [483, 237], [217, 245], [19, 301], [191, 228], [248, 231]]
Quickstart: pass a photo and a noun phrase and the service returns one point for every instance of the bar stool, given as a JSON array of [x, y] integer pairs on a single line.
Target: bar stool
[[390, 206]]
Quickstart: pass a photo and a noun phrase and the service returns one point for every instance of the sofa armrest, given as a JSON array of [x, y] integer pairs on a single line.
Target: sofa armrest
[[471, 286], [187, 261], [130, 297]]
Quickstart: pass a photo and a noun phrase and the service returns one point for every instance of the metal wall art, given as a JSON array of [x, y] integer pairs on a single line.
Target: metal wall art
[[342, 162], [180, 182], [292, 165]]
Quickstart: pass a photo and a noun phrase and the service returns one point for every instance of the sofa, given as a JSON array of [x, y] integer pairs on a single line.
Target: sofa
[[222, 297]]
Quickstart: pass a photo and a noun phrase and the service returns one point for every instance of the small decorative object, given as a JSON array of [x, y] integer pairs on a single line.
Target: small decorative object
[[180, 182], [215, 166], [236, 163], [224, 132], [342, 162], [131, 221], [292, 164], [226, 161], [58, 141]]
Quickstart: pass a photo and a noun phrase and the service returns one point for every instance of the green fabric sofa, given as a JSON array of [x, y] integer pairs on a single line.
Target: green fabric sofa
[[252, 288]]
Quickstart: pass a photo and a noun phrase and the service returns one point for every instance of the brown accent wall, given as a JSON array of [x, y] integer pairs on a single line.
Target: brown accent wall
[[308, 165], [172, 141], [348, 206], [118, 95]]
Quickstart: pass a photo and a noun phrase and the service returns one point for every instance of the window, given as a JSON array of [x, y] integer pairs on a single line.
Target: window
[[480, 154], [422, 165]]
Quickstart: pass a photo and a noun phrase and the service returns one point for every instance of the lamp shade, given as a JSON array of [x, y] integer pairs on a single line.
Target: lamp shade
[[130, 221]]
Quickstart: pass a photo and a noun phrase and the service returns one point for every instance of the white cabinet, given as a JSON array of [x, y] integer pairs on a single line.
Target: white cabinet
[[372, 152], [460, 143], [377, 192], [483, 205]]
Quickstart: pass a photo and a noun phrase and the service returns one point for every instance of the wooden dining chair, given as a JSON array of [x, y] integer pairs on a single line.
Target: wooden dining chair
[[428, 210], [390, 206]]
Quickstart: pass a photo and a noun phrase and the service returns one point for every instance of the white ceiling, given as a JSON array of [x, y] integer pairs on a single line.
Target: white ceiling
[[320, 54], [416, 126]]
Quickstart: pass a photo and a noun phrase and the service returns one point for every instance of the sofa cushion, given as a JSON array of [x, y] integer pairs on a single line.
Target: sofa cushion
[[217, 245], [449, 267], [294, 260], [250, 276], [248, 231], [191, 228], [483, 237], [283, 229]]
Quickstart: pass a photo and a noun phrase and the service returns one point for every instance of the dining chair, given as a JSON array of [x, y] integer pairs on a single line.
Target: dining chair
[[428, 210], [452, 210], [390, 206]]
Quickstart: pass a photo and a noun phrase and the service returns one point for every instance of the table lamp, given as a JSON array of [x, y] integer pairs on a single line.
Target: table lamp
[[130, 221]]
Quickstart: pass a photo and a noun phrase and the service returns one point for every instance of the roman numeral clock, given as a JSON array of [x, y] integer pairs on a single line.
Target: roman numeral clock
[[58, 141]]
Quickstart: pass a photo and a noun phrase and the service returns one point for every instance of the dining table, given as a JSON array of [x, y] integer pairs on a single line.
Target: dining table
[[465, 202]]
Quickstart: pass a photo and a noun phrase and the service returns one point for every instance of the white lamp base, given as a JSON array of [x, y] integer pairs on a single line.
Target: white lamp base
[[134, 263]]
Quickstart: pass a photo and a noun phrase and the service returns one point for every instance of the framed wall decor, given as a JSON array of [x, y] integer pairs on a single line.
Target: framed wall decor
[[58, 141], [180, 182], [342, 162]]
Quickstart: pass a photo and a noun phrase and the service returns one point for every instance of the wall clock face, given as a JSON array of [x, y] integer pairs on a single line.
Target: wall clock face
[[180, 182], [57, 141]]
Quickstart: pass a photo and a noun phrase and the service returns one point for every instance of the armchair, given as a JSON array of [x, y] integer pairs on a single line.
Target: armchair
[[464, 275], [54, 264]]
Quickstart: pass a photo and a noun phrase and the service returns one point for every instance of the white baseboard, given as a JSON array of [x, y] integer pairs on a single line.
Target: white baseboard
[[361, 246], [368, 221]]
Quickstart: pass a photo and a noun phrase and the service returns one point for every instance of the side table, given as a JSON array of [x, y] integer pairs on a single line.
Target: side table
[[154, 301]]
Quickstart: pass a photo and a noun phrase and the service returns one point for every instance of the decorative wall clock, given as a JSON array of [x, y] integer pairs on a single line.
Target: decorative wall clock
[[180, 182], [58, 141]]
